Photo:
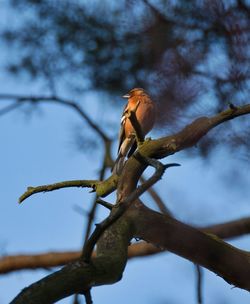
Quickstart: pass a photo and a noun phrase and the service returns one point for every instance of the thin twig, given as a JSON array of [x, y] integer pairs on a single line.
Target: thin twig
[[76, 299], [88, 297], [104, 204], [62, 101], [66, 184], [156, 197], [92, 212], [199, 283], [10, 108]]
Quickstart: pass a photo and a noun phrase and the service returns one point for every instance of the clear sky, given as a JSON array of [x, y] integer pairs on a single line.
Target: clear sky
[[39, 150]]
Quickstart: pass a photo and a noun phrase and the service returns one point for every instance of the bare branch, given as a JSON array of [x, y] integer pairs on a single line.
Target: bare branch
[[88, 297], [10, 263], [93, 209], [156, 197], [122, 205], [189, 136], [102, 188], [10, 108], [58, 100], [66, 184], [169, 145], [199, 283], [104, 204], [207, 250]]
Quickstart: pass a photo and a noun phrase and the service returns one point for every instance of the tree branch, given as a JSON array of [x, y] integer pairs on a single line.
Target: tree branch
[[156, 197], [77, 277], [10, 108], [122, 205], [169, 145], [199, 283], [205, 249], [102, 188], [190, 135], [88, 297], [58, 100], [10, 263], [66, 184]]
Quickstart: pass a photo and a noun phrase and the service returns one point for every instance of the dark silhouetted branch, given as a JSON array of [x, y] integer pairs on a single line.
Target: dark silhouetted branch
[[61, 101], [104, 204], [156, 197], [10, 108], [88, 297], [199, 283]]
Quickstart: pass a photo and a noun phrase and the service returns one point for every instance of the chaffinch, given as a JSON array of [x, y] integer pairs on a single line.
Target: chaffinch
[[145, 113]]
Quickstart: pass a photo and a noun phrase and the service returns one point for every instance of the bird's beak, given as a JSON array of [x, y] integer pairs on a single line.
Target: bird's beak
[[126, 95]]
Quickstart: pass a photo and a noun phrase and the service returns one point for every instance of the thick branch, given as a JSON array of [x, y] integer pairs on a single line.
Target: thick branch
[[190, 135], [78, 277], [201, 248], [53, 259], [226, 230], [169, 145]]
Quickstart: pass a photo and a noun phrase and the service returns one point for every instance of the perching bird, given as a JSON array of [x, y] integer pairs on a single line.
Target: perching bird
[[145, 114]]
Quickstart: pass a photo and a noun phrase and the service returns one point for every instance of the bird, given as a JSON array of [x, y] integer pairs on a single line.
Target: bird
[[140, 101]]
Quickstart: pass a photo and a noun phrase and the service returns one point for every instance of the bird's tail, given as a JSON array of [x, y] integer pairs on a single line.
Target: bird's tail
[[119, 164], [123, 152]]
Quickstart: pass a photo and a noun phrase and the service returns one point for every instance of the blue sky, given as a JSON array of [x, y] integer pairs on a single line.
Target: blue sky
[[40, 150]]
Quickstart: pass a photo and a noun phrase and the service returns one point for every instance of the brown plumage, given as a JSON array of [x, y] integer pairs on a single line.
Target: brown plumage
[[145, 114]]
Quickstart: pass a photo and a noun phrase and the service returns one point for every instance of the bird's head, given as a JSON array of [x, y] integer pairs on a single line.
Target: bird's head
[[135, 92]]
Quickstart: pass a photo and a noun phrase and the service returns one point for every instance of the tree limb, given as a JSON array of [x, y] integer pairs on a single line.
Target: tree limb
[[205, 249], [156, 197], [123, 203], [10, 108], [51, 187], [199, 275], [11, 263], [58, 100]]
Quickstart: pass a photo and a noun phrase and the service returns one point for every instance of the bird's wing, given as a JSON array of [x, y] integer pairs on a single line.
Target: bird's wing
[[122, 129], [133, 148]]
